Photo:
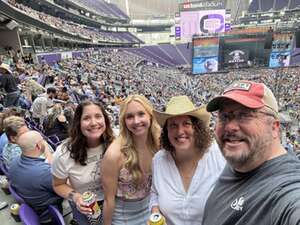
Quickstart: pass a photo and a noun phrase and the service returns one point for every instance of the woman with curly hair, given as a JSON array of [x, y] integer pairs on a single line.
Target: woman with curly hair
[[126, 167], [186, 169], [76, 163]]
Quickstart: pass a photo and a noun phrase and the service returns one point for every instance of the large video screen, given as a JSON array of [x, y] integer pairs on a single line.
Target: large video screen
[[236, 56], [201, 22], [279, 59], [281, 50], [205, 55]]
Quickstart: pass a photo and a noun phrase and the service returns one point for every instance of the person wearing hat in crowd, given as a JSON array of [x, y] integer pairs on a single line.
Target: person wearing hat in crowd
[[186, 169], [9, 84], [261, 182]]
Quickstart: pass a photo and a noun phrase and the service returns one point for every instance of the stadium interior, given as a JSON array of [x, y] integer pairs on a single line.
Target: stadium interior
[[109, 49]]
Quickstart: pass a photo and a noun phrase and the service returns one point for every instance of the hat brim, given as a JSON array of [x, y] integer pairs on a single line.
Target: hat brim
[[8, 70], [199, 113], [251, 103]]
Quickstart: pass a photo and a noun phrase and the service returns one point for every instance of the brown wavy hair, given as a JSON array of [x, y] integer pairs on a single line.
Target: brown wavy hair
[[203, 136], [127, 143], [77, 142]]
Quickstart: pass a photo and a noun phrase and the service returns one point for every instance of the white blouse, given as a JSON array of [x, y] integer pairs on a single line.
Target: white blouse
[[167, 192]]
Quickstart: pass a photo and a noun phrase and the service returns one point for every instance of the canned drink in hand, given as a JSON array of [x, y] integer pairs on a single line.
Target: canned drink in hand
[[157, 219], [89, 199]]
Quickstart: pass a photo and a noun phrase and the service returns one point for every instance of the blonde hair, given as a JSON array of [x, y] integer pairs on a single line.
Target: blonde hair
[[126, 138], [12, 124]]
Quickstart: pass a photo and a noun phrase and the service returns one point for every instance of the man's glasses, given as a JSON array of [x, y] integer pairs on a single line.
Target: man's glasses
[[241, 116]]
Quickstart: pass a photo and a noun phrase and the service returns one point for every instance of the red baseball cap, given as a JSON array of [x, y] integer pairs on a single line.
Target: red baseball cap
[[247, 93]]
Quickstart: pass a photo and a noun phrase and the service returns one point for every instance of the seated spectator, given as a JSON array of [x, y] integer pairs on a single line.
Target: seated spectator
[[41, 105], [9, 84], [56, 123], [31, 177], [63, 94], [14, 126], [13, 111]]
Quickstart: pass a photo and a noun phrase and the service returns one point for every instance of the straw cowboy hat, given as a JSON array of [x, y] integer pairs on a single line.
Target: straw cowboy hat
[[5, 67], [179, 106]]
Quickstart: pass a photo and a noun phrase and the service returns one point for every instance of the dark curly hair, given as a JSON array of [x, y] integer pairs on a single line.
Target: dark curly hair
[[203, 136], [77, 142]]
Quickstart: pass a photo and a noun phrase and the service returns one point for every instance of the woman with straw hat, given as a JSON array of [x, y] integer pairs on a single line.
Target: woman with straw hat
[[186, 169]]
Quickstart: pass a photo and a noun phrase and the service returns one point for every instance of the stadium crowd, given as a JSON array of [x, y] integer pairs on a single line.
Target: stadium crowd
[[68, 26], [50, 99], [111, 75]]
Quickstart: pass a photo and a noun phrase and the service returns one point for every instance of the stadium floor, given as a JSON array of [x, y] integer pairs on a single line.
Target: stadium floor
[[7, 219]]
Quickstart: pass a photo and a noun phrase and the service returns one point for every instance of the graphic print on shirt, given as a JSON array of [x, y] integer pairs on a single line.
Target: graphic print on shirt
[[238, 203], [95, 175]]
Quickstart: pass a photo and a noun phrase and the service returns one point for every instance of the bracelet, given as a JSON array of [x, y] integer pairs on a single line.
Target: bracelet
[[71, 195]]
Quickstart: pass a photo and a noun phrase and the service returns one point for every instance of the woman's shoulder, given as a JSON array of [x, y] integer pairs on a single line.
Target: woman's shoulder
[[113, 152], [62, 150], [162, 154]]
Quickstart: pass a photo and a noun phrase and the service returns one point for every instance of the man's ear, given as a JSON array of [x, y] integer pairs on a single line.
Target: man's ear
[[13, 139], [276, 129]]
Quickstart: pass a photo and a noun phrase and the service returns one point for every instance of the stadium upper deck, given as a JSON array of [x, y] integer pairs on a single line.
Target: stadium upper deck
[[272, 5]]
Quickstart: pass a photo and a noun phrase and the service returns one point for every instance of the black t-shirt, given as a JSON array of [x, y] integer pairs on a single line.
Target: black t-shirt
[[8, 83], [268, 195]]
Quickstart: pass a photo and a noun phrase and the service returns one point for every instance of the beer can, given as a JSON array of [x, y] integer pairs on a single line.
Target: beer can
[[89, 199], [14, 209], [156, 219]]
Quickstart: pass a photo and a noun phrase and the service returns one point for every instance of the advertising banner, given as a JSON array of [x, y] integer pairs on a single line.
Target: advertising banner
[[202, 5], [202, 22]]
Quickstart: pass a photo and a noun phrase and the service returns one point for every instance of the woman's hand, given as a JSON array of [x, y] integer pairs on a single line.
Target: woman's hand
[[81, 205]]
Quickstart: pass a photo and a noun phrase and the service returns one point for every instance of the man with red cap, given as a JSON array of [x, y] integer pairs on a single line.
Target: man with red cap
[[261, 182]]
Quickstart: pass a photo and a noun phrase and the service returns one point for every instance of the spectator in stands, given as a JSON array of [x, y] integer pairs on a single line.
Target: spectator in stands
[[14, 126], [261, 182], [13, 111], [9, 84], [30, 175], [76, 164], [63, 94], [126, 170], [188, 165], [41, 105], [56, 123]]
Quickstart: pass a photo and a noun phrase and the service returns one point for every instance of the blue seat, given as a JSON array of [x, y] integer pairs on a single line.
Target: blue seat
[[28, 216], [56, 216], [16, 196]]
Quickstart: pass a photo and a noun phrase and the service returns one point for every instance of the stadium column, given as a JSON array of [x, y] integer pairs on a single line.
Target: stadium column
[[32, 42], [51, 43], [43, 43]]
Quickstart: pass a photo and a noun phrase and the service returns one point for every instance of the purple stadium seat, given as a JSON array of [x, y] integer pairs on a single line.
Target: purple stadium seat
[[28, 216], [56, 216], [16, 196], [54, 138]]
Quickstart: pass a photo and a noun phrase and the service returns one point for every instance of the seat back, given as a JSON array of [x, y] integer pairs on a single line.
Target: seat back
[[16, 196], [56, 216], [28, 216]]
